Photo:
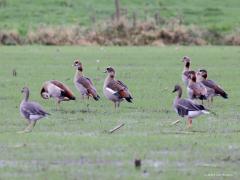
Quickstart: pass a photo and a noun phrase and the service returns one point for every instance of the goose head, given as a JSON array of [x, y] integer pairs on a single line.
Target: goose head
[[192, 76], [199, 76], [45, 95], [176, 88], [78, 65], [186, 60], [203, 73], [25, 90], [110, 71]]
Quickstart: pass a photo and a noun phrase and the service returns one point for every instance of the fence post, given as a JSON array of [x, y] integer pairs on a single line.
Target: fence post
[[117, 13]]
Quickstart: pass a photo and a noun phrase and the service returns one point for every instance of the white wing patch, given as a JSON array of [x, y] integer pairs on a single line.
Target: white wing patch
[[35, 117], [110, 90]]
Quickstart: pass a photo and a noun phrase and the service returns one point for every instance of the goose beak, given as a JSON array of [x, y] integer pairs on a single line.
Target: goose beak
[[174, 91], [105, 71]]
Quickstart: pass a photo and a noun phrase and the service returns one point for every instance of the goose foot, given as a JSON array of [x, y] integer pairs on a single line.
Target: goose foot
[[58, 106], [189, 126], [24, 131], [29, 128], [88, 107]]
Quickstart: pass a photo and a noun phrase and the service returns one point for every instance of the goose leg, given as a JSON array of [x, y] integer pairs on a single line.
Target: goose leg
[[208, 102], [58, 105], [29, 127], [88, 104], [115, 105], [189, 123]]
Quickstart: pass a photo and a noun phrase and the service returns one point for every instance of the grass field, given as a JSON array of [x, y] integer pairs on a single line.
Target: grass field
[[74, 144], [21, 15]]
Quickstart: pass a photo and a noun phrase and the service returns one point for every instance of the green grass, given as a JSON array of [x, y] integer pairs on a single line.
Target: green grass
[[74, 144], [218, 15]]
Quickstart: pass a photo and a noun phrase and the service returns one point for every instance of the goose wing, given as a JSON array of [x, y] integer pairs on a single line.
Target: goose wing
[[185, 105], [65, 90], [120, 89], [33, 108], [218, 90], [122, 84], [199, 90], [87, 83]]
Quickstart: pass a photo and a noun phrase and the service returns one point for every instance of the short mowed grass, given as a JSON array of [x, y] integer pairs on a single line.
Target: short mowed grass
[[74, 143]]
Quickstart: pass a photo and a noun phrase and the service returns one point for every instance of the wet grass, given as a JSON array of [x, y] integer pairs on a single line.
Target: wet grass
[[74, 143]]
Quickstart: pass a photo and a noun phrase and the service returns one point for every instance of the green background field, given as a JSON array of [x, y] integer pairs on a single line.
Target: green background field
[[22, 15], [74, 144]]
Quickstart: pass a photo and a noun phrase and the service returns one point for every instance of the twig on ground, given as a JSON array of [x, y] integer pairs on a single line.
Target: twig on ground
[[116, 128]]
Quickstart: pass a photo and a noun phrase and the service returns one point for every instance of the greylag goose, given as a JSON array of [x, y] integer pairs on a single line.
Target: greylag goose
[[115, 90], [32, 111], [195, 90], [186, 60], [186, 107], [213, 89], [84, 84], [57, 90]]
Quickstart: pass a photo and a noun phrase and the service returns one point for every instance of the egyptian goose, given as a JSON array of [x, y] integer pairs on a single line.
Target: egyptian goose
[[32, 111], [187, 107], [195, 90], [57, 90], [84, 84], [115, 90], [186, 60], [213, 89]]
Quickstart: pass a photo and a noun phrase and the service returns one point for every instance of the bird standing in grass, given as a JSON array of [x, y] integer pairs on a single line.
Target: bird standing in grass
[[57, 90], [31, 111], [84, 84], [115, 90], [186, 60], [187, 107], [213, 89], [195, 89]]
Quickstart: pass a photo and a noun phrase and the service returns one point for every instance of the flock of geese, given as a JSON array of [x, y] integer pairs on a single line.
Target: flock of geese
[[114, 90], [197, 83], [198, 87]]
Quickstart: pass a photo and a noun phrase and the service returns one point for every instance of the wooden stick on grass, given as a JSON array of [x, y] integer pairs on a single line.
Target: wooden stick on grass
[[175, 122], [116, 128]]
